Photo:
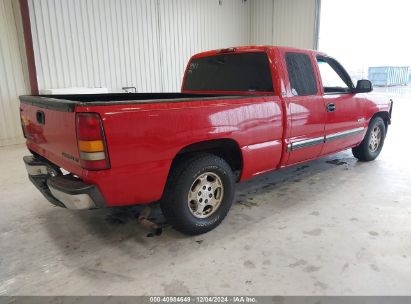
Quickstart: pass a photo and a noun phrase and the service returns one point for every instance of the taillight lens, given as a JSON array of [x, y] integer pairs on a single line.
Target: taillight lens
[[91, 142], [24, 123]]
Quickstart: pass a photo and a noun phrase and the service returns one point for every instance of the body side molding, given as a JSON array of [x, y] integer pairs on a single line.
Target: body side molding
[[320, 140], [343, 134]]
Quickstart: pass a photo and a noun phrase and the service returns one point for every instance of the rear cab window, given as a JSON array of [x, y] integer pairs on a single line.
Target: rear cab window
[[301, 74], [237, 72]]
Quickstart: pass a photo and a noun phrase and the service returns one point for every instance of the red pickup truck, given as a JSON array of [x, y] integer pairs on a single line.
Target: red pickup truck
[[242, 112]]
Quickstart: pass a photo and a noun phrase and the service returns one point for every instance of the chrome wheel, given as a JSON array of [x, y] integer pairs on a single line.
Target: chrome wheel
[[205, 195], [375, 139]]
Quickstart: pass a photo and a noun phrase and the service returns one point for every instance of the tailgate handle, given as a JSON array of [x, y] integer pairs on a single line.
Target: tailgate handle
[[41, 118]]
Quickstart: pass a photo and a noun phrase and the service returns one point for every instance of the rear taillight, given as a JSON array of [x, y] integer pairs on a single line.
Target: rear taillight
[[24, 123], [91, 142]]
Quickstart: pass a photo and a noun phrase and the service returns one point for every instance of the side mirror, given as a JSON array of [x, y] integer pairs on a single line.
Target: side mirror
[[363, 86]]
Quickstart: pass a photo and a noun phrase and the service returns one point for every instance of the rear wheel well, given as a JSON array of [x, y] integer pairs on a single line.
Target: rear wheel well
[[227, 149]]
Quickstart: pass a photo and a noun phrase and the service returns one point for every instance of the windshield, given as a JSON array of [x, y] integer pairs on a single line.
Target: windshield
[[230, 72]]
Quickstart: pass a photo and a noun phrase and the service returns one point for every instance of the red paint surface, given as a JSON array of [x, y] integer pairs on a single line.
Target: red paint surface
[[143, 139]]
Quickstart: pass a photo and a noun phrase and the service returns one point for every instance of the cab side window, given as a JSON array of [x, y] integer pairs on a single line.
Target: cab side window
[[301, 74], [333, 77]]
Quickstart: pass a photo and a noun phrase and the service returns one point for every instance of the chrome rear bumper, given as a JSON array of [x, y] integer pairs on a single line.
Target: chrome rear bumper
[[62, 190]]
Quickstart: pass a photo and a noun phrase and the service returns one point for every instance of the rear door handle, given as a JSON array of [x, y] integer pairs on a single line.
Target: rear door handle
[[331, 107]]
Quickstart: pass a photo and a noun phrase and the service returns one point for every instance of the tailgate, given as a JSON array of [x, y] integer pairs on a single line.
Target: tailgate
[[50, 130]]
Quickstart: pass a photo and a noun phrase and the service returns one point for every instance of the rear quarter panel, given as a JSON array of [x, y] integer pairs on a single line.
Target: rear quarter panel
[[143, 140]]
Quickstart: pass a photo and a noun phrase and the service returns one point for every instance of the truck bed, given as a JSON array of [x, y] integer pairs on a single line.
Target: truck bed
[[144, 132]]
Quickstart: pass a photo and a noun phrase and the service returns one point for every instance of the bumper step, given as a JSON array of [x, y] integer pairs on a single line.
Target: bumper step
[[74, 193], [65, 191]]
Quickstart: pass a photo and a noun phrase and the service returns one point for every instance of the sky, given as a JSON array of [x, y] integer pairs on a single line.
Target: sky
[[363, 33]]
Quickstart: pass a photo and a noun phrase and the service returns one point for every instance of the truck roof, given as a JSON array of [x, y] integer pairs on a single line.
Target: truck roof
[[255, 48]]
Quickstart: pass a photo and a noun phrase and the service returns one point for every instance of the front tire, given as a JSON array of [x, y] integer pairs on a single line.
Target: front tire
[[372, 144], [199, 193]]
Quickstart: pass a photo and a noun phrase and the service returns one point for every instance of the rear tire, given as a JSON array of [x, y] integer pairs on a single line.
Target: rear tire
[[372, 144], [199, 193]]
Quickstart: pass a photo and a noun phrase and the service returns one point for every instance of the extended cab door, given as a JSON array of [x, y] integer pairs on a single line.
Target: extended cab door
[[344, 120], [304, 105]]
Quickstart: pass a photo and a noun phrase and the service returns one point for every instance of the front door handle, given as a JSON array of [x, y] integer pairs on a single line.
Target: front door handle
[[331, 107]]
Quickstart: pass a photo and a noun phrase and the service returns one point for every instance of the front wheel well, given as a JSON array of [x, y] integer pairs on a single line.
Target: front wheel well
[[227, 149], [384, 116]]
